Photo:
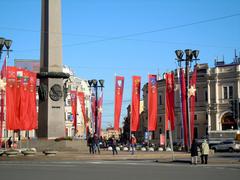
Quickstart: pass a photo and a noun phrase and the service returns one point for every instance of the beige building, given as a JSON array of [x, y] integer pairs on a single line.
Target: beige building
[[223, 99], [215, 89]]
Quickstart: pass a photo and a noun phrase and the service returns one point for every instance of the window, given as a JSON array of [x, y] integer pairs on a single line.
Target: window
[[68, 103], [195, 132], [228, 92], [160, 99], [195, 117], [225, 96], [160, 131], [5, 133], [160, 119], [196, 95], [153, 135], [206, 96]]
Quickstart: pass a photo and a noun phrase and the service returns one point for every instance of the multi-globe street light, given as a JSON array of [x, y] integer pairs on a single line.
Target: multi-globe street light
[[7, 43], [94, 83], [190, 57]]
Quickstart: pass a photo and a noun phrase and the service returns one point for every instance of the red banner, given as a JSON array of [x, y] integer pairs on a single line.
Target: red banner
[[184, 109], [21, 108], [74, 108], [192, 94], [32, 104], [135, 106], [11, 95], [119, 85], [169, 105], [81, 99], [152, 102], [100, 110]]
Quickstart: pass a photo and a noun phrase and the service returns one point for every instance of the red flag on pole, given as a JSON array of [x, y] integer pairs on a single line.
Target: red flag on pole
[[152, 102], [32, 104], [25, 106], [100, 110], [81, 98], [11, 96], [169, 115], [192, 94], [119, 85], [74, 108], [135, 107], [184, 109]]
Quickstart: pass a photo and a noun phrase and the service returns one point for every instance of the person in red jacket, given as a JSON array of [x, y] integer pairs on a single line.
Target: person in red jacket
[[133, 142]]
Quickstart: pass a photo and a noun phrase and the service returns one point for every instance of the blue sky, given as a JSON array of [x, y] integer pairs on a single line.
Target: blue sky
[[102, 38]]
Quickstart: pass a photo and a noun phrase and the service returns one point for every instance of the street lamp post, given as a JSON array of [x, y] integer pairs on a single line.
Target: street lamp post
[[190, 57], [94, 83], [7, 43]]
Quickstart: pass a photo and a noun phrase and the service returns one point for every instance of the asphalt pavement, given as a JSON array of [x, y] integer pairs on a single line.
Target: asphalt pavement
[[117, 170]]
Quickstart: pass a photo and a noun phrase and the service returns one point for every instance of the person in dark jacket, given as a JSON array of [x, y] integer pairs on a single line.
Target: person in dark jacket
[[90, 144], [114, 145], [194, 152]]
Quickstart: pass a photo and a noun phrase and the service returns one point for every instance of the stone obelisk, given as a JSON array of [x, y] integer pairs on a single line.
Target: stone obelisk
[[51, 99]]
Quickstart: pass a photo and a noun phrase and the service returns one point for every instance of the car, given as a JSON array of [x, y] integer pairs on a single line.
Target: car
[[228, 145]]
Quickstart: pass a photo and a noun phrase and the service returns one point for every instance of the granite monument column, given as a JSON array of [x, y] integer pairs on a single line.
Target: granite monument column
[[51, 98]]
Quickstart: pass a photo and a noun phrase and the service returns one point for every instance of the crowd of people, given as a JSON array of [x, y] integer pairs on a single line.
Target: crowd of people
[[94, 143]]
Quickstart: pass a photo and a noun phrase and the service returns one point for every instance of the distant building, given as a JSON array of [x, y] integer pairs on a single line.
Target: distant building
[[110, 132], [31, 65]]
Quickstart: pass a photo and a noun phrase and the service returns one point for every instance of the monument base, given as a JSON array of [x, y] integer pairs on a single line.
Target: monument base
[[46, 144]]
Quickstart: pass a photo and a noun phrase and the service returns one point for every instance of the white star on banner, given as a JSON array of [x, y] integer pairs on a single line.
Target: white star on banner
[[2, 85], [191, 91], [100, 110]]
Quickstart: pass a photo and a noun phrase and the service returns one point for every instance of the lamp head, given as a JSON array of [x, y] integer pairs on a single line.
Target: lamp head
[[8, 43], [1, 43], [188, 53], [90, 82], [94, 82], [179, 54], [195, 53], [101, 81]]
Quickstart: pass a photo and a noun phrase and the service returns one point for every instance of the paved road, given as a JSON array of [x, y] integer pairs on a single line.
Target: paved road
[[115, 170]]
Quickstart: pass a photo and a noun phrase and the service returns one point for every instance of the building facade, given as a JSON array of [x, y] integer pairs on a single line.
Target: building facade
[[217, 106], [223, 100]]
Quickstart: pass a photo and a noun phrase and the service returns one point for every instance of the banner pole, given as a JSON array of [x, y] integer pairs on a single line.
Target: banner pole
[[171, 141]]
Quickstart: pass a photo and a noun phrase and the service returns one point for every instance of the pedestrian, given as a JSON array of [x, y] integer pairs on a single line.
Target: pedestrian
[[114, 145], [90, 144], [96, 144], [194, 152], [9, 142], [133, 142], [204, 152]]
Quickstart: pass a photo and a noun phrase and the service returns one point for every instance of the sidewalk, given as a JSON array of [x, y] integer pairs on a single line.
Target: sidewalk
[[161, 157]]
